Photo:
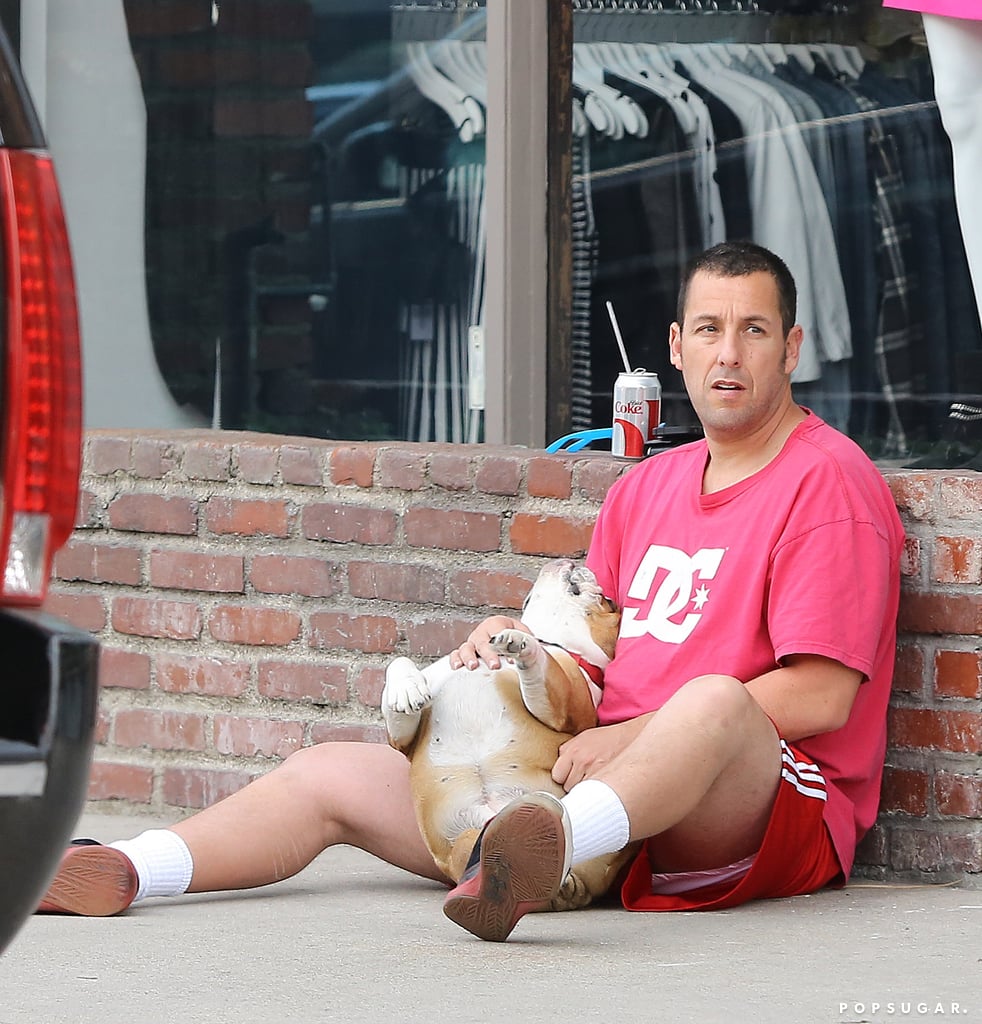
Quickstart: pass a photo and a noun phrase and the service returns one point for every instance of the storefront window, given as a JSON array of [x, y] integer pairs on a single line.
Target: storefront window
[[314, 198], [810, 127]]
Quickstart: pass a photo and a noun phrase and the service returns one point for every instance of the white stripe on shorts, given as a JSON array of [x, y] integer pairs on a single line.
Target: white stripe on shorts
[[806, 777]]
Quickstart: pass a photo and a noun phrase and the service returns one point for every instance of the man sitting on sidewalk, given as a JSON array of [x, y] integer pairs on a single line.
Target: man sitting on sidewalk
[[743, 717]]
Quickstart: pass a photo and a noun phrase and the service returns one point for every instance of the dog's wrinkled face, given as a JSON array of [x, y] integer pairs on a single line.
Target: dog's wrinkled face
[[567, 607]]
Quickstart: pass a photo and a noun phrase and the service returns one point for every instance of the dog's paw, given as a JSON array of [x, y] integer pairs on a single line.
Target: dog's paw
[[406, 690], [514, 644]]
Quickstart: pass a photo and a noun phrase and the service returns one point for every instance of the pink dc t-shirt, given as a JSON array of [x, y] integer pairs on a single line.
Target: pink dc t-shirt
[[970, 9], [800, 558]]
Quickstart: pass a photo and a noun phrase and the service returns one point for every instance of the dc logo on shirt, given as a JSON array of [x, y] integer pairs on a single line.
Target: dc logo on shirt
[[681, 585]]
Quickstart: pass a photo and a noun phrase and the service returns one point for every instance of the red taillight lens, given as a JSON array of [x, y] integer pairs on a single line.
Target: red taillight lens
[[42, 384]]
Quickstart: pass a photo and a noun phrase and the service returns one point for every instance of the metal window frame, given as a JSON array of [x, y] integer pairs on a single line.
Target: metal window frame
[[528, 287]]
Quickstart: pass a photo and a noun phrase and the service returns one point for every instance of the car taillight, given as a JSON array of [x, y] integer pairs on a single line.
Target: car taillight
[[41, 377]]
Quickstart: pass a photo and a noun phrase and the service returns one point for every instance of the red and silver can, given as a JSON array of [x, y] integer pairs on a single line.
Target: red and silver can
[[637, 412]]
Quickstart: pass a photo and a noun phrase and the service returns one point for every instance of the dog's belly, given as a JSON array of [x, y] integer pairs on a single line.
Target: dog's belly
[[482, 750]]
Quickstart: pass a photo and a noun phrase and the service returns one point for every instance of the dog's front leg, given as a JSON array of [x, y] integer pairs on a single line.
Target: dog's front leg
[[557, 697], [407, 691]]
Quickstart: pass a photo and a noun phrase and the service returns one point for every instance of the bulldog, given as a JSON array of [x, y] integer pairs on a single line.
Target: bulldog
[[476, 739]]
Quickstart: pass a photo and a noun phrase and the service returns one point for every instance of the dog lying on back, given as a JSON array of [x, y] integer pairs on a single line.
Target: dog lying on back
[[478, 739]]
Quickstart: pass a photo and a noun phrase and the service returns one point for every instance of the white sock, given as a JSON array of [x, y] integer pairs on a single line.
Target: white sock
[[162, 861], [597, 819]]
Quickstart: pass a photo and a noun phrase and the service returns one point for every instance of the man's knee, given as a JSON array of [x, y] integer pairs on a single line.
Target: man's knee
[[719, 699]]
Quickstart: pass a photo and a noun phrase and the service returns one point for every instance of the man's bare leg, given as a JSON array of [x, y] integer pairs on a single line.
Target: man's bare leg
[[352, 793], [702, 776]]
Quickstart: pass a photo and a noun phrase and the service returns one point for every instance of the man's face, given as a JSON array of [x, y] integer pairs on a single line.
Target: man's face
[[734, 357]]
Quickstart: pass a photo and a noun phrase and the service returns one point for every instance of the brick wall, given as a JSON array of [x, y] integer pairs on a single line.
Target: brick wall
[[249, 590]]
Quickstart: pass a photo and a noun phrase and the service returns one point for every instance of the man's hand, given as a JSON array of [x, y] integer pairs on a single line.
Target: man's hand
[[477, 647], [587, 753]]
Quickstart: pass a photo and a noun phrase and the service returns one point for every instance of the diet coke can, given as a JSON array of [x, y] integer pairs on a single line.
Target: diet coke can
[[637, 412]]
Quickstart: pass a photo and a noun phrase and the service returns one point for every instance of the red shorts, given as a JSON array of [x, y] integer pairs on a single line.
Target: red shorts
[[796, 856]]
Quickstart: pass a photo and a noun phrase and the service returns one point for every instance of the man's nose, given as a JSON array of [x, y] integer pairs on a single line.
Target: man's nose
[[730, 351]]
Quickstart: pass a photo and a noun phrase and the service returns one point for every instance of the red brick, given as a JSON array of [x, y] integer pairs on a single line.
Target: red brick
[[396, 581], [209, 677], [99, 563], [910, 557], [436, 637], [451, 471], [485, 588], [594, 476], [123, 668], [328, 732], [257, 464], [90, 509], [319, 684], [921, 728], [206, 460], [915, 494], [958, 674], [263, 627], [85, 611], [301, 466], [153, 513], [353, 466], [947, 855], [960, 496], [184, 570], [286, 574], [109, 781], [556, 536], [200, 787], [958, 795], [908, 670], [549, 477], [345, 524], [957, 560], [452, 530], [154, 458], [107, 455], [251, 737], [159, 730], [873, 849], [905, 791], [370, 634], [400, 468], [499, 475], [368, 684], [156, 617], [247, 518], [958, 614]]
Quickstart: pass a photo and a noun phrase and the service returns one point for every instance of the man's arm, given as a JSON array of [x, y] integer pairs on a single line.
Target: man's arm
[[807, 695]]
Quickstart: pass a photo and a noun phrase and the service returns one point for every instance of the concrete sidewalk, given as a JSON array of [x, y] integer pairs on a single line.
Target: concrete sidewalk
[[353, 940]]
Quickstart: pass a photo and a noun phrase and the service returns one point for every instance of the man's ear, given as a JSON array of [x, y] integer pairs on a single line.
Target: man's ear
[[792, 348], [675, 345]]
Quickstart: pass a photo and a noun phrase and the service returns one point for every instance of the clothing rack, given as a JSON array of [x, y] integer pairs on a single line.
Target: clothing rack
[[700, 21], [438, 19]]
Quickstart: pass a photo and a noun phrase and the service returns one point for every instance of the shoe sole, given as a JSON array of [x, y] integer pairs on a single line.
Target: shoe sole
[[92, 881], [522, 864]]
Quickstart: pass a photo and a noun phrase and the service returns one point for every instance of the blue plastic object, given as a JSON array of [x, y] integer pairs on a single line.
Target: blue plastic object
[[580, 439]]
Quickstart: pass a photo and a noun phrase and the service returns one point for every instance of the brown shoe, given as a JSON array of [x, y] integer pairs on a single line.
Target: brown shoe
[[92, 880]]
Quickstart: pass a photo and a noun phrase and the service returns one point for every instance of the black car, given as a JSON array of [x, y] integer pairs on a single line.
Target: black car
[[48, 669]]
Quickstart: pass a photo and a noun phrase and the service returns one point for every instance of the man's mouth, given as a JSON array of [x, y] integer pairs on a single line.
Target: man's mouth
[[726, 385]]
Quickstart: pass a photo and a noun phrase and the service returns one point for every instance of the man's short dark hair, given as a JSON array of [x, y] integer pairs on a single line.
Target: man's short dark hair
[[739, 259]]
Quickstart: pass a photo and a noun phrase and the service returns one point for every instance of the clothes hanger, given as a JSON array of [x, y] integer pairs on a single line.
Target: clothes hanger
[[619, 114], [630, 60], [466, 114]]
